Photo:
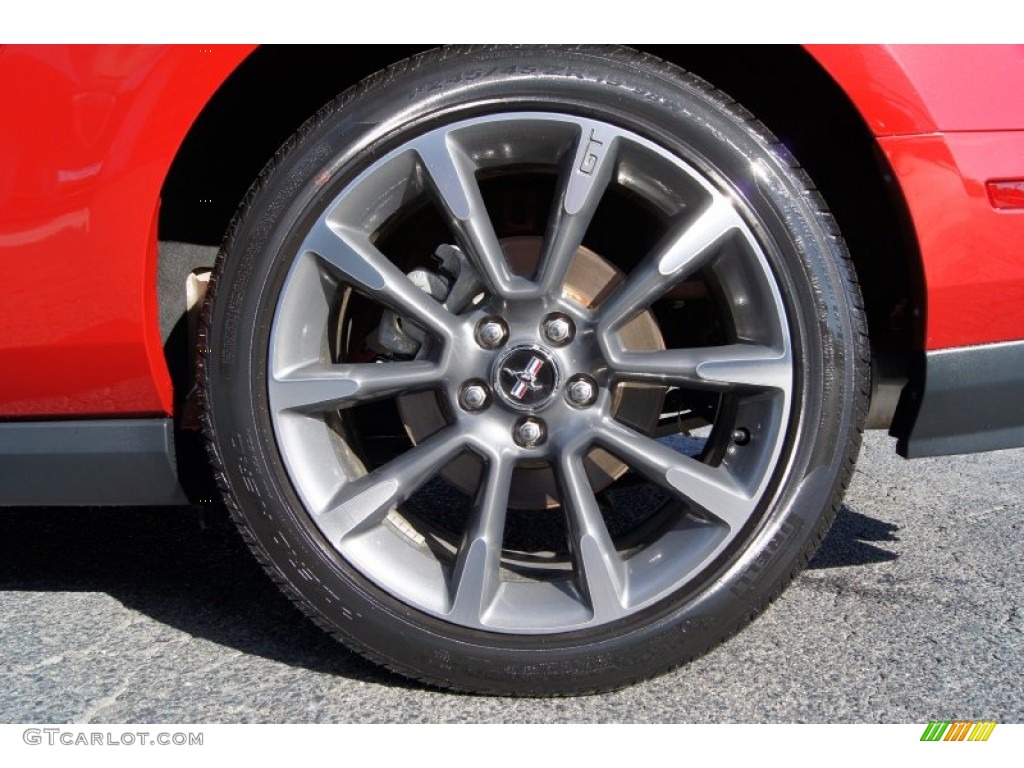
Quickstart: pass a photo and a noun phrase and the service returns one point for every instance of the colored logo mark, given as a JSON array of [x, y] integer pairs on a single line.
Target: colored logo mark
[[958, 730], [527, 379]]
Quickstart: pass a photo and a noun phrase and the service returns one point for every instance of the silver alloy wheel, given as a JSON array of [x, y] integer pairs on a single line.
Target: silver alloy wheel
[[473, 581]]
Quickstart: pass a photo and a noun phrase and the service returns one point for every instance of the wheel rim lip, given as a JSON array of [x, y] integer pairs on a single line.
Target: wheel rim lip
[[562, 616]]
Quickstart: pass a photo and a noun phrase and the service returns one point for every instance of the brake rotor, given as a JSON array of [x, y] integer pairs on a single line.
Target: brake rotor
[[589, 280]]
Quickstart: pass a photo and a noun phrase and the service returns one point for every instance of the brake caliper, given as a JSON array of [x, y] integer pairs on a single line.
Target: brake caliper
[[455, 285]]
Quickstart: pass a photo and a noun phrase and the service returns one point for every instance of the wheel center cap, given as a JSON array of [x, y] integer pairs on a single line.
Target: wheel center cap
[[526, 378]]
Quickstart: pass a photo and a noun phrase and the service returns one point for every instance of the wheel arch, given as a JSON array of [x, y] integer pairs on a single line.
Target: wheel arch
[[788, 88], [791, 89], [270, 93]]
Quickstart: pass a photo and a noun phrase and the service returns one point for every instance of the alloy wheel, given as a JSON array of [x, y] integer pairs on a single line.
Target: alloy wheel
[[631, 391]]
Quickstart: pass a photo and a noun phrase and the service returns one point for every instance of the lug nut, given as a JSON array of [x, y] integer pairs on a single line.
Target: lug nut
[[581, 391], [474, 396], [559, 329], [529, 433], [491, 332]]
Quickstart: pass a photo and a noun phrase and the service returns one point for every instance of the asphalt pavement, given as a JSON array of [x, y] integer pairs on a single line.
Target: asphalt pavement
[[910, 612]]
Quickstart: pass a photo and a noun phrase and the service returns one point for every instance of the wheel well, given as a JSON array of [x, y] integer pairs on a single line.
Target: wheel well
[[272, 92], [788, 91], [257, 108], [278, 87]]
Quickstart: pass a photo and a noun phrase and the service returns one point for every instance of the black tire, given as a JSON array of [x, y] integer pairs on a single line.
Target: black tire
[[271, 478]]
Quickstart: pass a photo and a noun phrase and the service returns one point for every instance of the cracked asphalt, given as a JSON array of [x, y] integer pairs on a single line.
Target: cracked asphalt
[[910, 612]]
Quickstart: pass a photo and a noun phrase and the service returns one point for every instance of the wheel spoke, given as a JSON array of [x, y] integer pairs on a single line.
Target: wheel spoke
[[681, 253], [601, 570], [712, 489], [365, 502], [475, 578], [350, 253], [315, 389], [583, 180], [719, 368], [452, 173]]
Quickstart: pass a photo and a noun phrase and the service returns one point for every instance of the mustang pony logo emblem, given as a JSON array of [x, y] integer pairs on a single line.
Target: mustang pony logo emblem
[[526, 380]]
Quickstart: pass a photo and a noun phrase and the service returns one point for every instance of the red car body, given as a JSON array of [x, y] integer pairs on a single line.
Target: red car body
[[91, 132]]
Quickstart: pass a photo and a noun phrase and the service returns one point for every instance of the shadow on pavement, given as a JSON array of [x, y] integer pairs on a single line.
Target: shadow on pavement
[[187, 568], [849, 541], [184, 567]]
